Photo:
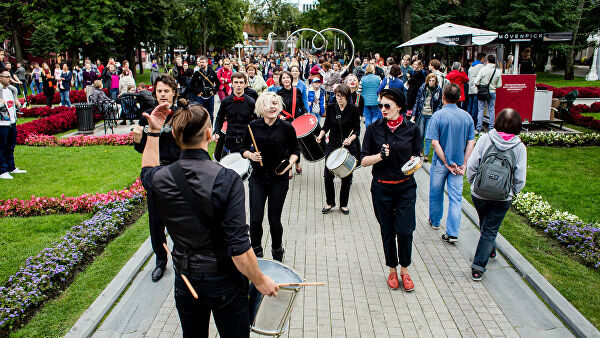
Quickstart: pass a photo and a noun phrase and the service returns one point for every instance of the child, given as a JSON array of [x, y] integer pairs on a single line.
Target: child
[[273, 82], [316, 98]]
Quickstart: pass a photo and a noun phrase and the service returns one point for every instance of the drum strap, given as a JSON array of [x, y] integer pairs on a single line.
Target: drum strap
[[357, 99], [294, 102]]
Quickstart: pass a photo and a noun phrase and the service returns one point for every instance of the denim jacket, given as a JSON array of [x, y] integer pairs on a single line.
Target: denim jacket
[[436, 101]]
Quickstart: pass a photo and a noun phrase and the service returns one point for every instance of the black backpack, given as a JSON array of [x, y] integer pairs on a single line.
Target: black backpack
[[494, 178]]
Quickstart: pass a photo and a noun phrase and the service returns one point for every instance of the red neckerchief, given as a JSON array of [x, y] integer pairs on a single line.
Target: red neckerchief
[[393, 124]]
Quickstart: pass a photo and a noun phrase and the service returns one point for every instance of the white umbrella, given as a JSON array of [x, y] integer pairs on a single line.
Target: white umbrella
[[479, 36]]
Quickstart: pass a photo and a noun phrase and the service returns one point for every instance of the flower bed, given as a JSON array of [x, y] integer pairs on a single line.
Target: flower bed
[[43, 111], [585, 121], [560, 139], [50, 125], [75, 96], [36, 206], [47, 273], [584, 92], [79, 140], [581, 238]]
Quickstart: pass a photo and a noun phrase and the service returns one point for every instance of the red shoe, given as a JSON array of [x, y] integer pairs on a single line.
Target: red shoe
[[407, 283], [392, 281]]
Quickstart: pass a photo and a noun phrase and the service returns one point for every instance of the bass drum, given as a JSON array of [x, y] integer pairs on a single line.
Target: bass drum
[[307, 129], [237, 163]]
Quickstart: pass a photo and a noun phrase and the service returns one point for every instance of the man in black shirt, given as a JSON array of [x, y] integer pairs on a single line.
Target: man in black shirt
[[238, 110], [202, 205], [204, 85]]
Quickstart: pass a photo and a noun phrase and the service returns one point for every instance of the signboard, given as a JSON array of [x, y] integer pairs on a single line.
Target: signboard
[[537, 36], [456, 40], [517, 92]]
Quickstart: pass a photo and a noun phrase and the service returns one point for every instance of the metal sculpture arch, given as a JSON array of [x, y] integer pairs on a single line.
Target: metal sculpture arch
[[320, 33]]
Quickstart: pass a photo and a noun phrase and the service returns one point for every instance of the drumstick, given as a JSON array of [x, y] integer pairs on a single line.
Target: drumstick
[[187, 282], [300, 284], [254, 142], [352, 132]]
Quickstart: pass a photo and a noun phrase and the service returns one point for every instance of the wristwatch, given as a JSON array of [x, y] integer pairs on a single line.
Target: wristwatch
[[147, 131]]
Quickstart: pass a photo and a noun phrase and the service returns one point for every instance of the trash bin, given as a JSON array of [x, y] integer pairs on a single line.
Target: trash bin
[[85, 118]]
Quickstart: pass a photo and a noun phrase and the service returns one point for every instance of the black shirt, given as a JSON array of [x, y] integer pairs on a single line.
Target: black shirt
[[251, 92], [145, 99], [238, 115], [276, 143], [349, 121], [168, 149], [201, 85], [228, 201], [404, 142], [287, 96]]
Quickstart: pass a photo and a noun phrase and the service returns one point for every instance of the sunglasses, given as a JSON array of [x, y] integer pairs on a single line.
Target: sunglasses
[[227, 64], [387, 106]]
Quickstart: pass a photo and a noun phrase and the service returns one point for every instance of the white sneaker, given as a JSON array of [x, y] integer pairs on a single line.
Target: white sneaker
[[6, 176], [18, 171]]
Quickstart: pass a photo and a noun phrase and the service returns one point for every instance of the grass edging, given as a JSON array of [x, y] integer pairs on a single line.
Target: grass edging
[[554, 299]]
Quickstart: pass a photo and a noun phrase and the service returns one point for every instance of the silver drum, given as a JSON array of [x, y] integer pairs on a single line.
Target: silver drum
[[341, 163], [271, 315], [237, 163]]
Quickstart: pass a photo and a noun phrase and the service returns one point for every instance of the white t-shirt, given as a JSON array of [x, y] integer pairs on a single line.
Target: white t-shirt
[[10, 104]]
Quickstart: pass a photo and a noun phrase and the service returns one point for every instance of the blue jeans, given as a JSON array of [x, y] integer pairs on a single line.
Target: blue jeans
[[8, 140], [64, 98], [491, 104], [318, 116], [491, 214], [77, 85], [371, 114], [472, 108], [208, 104], [225, 295], [114, 93], [439, 176], [423, 124]]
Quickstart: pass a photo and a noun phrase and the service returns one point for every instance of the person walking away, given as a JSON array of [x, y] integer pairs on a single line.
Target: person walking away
[[154, 71], [501, 144], [368, 90], [453, 137], [488, 80], [473, 72], [459, 77], [21, 75]]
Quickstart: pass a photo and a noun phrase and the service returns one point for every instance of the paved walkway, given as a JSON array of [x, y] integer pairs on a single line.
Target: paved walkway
[[346, 252]]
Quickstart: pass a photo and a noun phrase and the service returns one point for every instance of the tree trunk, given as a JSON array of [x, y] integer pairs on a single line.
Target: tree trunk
[[205, 33], [17, 43], [405, 10], [139, 47], [569, 66]]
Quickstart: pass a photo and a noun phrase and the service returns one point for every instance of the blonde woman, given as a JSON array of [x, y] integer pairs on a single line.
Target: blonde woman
[[355, 98], [276, 140]]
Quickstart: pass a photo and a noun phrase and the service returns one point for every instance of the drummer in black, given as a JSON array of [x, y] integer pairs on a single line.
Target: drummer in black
[[165, 89], [238, 110], [276, 141], [293, 105], [388, 144], [202, 205], [342, 122]]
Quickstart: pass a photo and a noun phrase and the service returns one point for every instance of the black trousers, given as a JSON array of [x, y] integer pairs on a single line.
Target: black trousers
[[394, 206], [330, 189], [225, 295], [157, 232], [275, 192]]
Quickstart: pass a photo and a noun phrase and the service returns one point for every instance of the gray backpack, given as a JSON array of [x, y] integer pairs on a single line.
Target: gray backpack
[[494, 178]]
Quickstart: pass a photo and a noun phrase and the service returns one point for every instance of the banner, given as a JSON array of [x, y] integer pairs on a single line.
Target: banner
[[456, 40], [517, 92]]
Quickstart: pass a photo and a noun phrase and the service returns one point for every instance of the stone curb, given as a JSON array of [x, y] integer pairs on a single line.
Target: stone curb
[[580, 326], [92, 317]]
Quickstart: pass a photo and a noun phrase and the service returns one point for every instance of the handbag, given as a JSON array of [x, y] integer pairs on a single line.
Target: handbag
[[483, 91]]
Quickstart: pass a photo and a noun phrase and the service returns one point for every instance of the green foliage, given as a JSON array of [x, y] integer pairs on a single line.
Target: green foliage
[[43, 40], [274, 16]]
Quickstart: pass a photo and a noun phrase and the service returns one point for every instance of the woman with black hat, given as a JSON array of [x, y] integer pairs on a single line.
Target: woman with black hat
[[388, 144], [342, 122]]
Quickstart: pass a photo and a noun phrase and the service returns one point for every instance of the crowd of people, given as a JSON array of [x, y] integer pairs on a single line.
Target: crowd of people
[[407, 108]]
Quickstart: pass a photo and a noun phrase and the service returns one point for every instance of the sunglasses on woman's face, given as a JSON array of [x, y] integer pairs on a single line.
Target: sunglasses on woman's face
[[227, 64], [386, 105]]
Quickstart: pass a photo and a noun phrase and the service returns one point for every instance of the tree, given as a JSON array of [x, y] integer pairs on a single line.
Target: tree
[[43, 40], [274, 15]]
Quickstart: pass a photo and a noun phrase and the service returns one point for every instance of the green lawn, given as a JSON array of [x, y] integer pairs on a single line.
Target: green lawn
[[566, 178], [595, 115], [559, 81], [58, 315], [24, 237], [71, 171], [22, 120]]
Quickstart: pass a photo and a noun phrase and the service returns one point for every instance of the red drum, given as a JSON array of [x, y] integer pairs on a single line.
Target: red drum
[[218, 154], [307, 129]]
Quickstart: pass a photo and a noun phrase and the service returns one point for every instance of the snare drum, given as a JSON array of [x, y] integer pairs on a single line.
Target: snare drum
[[237, 163], [412, 165], [341, 163], [271, 315], [307, 129]]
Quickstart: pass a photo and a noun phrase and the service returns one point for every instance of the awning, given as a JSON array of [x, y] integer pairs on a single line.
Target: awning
[[448, 29]]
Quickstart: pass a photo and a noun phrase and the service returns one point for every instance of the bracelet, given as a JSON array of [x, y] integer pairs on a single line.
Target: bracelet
[[153, 134]]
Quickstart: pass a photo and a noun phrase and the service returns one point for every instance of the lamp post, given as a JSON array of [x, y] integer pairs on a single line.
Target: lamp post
[[548, 67], [239, 47], [593, 74]]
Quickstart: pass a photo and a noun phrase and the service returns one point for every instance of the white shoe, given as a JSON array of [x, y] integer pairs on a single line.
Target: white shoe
[[18, 171], [6, 176]]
